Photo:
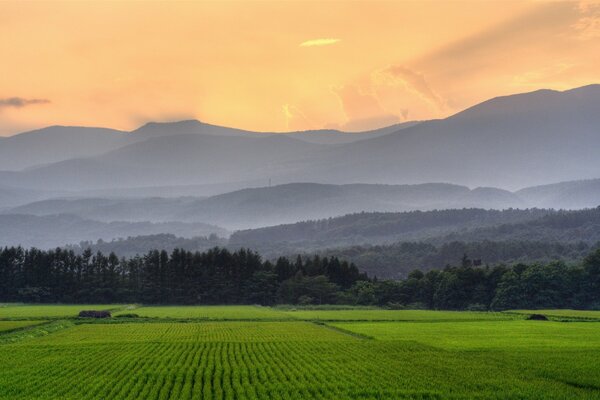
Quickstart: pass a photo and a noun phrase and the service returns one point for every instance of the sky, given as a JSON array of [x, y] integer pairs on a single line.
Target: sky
[[282, 66]]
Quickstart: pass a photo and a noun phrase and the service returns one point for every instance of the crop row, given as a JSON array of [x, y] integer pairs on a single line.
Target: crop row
[[282, 360], [230, 331]]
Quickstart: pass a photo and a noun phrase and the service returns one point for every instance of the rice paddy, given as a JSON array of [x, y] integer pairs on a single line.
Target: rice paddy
[[245, 352]]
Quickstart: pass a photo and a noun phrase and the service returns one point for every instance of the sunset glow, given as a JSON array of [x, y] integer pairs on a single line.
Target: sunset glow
[[277, 66]]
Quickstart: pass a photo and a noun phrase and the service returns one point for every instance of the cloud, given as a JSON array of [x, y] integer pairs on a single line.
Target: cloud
[[296, 119], [319, 42], [19, 102], [362, 108], [412, 80], [588, 25]]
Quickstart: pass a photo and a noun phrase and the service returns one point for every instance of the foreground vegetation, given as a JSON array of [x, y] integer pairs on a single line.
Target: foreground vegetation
[[249, 353]]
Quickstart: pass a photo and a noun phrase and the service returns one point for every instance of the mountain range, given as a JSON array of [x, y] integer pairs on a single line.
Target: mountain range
[[189, 178], [507, 142]]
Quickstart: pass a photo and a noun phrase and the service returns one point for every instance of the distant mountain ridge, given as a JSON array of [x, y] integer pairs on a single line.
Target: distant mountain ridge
[[287, 203], [290, 203], [58, 230], [507, 142], [60, 143]]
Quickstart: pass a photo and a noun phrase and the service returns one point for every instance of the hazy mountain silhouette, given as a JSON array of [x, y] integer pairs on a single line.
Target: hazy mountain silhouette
[[508, 142], [278, 204], [566, 195], [57, 143], [57, 230], [373, 228]]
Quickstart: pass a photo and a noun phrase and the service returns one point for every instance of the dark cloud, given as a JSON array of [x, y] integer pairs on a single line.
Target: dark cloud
[[19, 102]]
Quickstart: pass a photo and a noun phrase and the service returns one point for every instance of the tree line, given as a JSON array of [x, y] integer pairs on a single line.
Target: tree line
[[216, 276], [221, 276]]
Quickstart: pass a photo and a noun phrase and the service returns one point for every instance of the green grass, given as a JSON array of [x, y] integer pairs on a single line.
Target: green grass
[[208, 312], [6, 326], [28, 311], [396, 315]]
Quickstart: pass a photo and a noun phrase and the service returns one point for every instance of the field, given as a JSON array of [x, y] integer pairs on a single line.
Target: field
[[20, 311], [579, 314], [245, 352], [396, 315], [209, 312], [6, 326]]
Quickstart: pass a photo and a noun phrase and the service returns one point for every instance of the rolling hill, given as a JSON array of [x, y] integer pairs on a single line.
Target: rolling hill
[[278, 204], [58, 230]]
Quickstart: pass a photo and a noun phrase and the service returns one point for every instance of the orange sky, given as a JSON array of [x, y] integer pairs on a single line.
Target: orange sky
[[277, 66]]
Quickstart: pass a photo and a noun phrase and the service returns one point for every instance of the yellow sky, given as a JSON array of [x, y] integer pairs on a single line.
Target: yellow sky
[[277, 66]]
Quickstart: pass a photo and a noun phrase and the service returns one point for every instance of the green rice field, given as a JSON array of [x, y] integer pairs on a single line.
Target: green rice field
[[245, 352], [208, 312], [6, 326], [397, 315], [582, 314], [24, 311]]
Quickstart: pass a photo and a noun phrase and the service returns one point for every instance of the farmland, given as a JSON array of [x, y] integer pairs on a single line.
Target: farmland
[[246, 352], [20, 311], [6, 326], [208, 312]]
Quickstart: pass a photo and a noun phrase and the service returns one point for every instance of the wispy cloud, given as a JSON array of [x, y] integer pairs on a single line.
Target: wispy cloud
[[319, 42], [414, 81], [19, 102]]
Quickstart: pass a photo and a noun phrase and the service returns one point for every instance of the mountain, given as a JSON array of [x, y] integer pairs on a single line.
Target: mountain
[[57, 143], [319, 136], [279, 204], [174, 160], [12, 197], [392, 244], [374, 228], [565, 195], [303, 201], [153, 209], [57, 230], [507, 142]]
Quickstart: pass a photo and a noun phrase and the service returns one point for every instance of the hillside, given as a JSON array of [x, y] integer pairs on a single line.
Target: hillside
[[378, 228], [565, 195], [279, 204], [508, 142], [57, 230], [57, 143]]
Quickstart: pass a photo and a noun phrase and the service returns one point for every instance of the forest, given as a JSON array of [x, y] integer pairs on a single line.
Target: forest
[[221, 276]]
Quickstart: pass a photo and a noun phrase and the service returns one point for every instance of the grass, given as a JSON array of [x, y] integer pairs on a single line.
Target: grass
[[272, 354], [6, 326], [488, 335], [208, 312], [558, 314], [220, 332], [396, 315], [28, 311]]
